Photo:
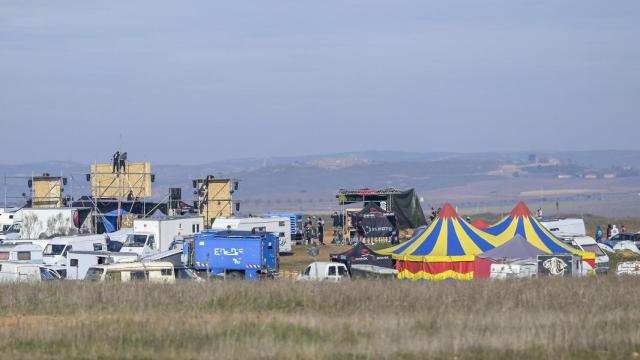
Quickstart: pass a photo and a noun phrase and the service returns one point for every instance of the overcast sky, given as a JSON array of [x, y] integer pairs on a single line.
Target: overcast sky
[[195, 81]]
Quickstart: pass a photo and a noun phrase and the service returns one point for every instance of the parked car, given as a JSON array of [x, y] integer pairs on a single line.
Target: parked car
[[623, 237], [322, 270], [23, 271]]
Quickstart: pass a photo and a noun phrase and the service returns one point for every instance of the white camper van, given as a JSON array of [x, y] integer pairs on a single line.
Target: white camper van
[[589, 244], [159, 272], [79, 262], [152, 236], [21, 252], [55, 253], [562, 228], [278, 225], [18, 271]]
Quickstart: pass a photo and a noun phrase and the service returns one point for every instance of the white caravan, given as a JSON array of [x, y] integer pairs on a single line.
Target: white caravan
[[152, 236], [321, 270], [565, 227], [55, 253], [158, 272], [281, 226], [21, 252], [79, 262], [18, 271]]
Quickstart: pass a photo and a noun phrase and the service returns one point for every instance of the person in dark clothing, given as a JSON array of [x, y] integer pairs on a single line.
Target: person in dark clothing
[[609, 231], [336, 219], [116, 162], [123, 162], [321, 231]]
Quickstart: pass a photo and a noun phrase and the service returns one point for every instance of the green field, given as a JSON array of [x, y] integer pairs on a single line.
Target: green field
[[583, 318]]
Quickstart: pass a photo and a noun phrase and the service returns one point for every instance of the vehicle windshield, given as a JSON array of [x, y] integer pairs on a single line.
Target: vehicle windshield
[[94, 274], [185, 274], [134, 240], [594, 248], [46, 275], [53, 249]]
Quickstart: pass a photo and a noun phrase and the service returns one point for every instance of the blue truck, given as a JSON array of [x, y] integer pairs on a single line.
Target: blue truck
[[235, 254]]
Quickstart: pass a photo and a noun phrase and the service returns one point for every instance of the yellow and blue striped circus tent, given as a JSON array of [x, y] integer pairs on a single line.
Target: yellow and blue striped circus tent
[[446, 249], [522, 222]]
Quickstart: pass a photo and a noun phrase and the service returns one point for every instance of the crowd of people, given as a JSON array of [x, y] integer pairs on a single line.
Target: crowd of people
[[314, 230], [612, 230]]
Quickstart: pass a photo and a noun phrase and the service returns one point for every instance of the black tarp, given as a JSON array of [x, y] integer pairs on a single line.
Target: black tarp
[[406, 207], [373, 222], [361, 254]]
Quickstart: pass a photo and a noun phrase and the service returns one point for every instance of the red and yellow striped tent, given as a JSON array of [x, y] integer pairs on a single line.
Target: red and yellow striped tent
[[444, 250], [522, 222]]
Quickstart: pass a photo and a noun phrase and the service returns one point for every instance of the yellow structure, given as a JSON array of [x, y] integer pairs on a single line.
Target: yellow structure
[[46, 192], [134, 181], [214, 198]]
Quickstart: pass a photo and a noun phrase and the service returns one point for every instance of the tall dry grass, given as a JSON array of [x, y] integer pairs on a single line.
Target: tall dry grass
[[563, 318]]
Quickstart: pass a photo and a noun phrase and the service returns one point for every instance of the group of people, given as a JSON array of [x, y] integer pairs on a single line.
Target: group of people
[[314, 229], [119, 162], [612, 230]]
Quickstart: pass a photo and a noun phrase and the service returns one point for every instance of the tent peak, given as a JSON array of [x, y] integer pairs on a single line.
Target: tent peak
[[521, 210], [447, 212]]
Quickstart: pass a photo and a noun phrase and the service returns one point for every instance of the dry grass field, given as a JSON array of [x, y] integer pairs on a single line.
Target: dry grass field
[[586, 318]]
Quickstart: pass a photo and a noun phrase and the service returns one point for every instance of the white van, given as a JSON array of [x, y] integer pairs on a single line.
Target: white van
[[18, 271], [281, 226], [321, 270], [156, 272], [79, 262], [21, 252], [55, 253], [569, 227], [589, 244]]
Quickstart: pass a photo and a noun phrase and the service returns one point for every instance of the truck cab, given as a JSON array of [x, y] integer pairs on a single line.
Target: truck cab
[[12, 232], [324, 271], [55, 252], [143, 244], [589, 244]]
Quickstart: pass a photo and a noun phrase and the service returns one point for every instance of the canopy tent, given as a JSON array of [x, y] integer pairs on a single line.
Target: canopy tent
[[374, 222], [480, 224], [445, 249], [157, 214], [110, 219], [361, 254], [516, 250], [522, 222]]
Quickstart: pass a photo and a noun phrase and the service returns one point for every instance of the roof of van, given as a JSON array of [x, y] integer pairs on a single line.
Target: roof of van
[[102, 253], [23, 246], [136, 265], [183, 217]]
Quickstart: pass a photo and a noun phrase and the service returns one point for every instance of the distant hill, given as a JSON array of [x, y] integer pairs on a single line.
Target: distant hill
[[310, 182]]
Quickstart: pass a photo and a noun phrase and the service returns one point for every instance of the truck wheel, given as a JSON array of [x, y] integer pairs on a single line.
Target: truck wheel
[[235, 275]]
